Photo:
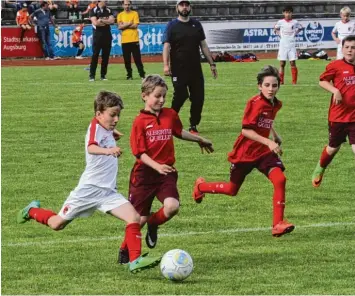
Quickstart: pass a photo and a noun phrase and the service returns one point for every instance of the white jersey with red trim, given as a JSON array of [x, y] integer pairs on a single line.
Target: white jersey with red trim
[[344, 29], [100, 170], [288, 31]]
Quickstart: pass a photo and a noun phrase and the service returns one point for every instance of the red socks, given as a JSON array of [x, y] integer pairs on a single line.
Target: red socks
[[294, 72], [133, 236], [227, 188], [158, 217], [278, 179], [133, 241], [41, 215], [325, 158], [282, 76]]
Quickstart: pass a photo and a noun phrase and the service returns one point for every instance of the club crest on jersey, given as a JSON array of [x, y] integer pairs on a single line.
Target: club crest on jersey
[[265, 122], [159, 135]]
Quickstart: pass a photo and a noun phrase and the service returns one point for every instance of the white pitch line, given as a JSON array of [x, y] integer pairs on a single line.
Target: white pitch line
[[190, 233]]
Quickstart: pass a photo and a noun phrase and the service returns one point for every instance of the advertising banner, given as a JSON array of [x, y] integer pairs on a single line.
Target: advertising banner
[[220, 36], [12, 47], [150, 39], [260, 35]]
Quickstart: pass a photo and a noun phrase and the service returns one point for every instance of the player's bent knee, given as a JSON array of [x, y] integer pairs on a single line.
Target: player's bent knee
[[332, 150], [136, 218], [171, 208]]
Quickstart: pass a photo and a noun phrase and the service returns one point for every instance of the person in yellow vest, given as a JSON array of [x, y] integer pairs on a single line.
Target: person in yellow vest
[[128, 21]]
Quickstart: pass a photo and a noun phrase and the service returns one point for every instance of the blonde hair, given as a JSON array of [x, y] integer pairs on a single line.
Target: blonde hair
[[151, 82], [345, 10]]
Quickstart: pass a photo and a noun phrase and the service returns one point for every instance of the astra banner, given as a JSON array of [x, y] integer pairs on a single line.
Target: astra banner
[[260, 35], [220, 36]]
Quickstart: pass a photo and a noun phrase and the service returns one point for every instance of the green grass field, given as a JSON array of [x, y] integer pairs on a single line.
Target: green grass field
[[45, 114]]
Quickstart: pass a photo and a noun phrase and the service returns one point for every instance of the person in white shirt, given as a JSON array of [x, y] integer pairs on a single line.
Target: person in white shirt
[[287, 29], [342, 29], [97, 189]]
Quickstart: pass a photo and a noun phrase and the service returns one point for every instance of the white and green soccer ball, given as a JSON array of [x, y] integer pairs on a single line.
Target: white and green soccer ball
[[176, 265]]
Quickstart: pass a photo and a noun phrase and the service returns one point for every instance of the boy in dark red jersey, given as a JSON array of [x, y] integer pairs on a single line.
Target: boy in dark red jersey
[[254, 149], [339, 79], [153, 174]]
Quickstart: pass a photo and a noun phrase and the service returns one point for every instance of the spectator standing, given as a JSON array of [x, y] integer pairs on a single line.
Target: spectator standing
[[101, 18], [183, 39], [44, 17], [128, 22]]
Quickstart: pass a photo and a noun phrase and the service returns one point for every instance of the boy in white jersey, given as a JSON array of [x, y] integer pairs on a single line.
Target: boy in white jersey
[[342, 29], [97, 186], [287, 29]]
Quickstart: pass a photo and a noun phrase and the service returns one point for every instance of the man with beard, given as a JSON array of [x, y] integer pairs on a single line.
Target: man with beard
[[183, 39]]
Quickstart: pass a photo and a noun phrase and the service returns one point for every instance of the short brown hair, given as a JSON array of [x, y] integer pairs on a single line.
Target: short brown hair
[[348, 39], [107, 99], [151, 82], [268, 71]]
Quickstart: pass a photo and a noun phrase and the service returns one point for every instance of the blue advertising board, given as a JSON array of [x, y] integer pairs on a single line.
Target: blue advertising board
[[150, 39], [233, 36]]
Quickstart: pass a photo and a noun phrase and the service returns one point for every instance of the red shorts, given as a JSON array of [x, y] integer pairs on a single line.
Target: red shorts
[[240, 170], [338, 131], [146, 183]]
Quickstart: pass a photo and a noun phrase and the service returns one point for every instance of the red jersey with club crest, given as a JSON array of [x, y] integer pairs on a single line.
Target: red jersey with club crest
[[342, 75], [153, 135], [259, 116]]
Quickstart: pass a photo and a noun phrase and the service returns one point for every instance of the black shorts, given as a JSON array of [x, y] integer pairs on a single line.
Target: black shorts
[[77, 44]]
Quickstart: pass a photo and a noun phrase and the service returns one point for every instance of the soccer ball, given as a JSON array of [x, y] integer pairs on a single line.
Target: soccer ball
[[176, 265]]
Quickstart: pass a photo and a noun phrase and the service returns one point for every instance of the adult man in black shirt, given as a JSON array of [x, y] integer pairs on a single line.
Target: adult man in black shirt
[[101, 18], [183, 39]]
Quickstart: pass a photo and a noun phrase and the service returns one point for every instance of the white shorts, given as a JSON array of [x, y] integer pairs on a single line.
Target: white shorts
[[340, 51], [83, 201], [287, 54]]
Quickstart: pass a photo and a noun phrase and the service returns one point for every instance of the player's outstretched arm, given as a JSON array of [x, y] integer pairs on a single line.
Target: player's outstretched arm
[[163, 169], [205, 145], [253, 135]]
